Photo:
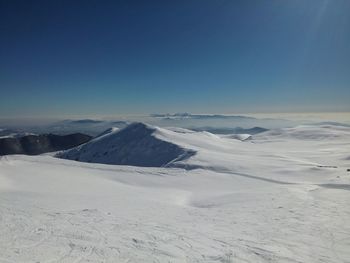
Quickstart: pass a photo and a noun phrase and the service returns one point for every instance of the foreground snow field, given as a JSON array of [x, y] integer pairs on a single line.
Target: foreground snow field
[[280, 196]]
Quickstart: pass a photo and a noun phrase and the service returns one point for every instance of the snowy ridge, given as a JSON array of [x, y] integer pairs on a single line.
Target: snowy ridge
[[108, 131], [143, 145], [137, 145]]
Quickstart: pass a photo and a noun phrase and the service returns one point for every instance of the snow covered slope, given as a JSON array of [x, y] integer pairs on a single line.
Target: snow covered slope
[[272, 198], [144, 145], [134, 145]]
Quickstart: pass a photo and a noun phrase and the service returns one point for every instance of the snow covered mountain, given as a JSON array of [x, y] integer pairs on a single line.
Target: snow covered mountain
[[137, 145], [279, 196], [143, 145]]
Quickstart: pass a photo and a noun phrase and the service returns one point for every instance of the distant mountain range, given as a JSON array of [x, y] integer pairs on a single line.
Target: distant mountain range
[[37, 144], [200, 116], [83, 121], [217, 121], [236, 130], [9, 133], [87, 126]]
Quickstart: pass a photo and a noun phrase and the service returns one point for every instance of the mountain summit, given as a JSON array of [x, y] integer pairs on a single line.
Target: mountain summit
[[136, 144]]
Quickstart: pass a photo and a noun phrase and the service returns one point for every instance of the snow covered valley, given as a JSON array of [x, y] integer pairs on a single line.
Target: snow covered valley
[[279, 196]]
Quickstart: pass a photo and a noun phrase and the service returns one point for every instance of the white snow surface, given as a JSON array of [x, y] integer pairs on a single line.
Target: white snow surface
[[138, 144], [281, 196]]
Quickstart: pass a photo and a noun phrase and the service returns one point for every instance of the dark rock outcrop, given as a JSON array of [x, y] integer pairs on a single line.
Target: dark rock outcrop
[[37, 144]]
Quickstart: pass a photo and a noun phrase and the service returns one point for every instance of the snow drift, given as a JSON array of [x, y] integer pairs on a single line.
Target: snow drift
[[134, 145]]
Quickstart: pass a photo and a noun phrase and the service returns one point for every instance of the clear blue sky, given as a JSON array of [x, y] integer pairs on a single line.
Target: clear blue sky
[[213, 56]]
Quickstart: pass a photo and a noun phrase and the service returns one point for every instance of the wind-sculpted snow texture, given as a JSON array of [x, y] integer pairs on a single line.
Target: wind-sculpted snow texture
[[280, 196], [134, 145]]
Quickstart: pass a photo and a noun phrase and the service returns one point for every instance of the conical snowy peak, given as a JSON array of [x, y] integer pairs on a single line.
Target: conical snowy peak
[[135, 145]]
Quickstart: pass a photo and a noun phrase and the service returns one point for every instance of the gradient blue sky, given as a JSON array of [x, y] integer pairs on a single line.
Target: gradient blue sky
[[62, 58]]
